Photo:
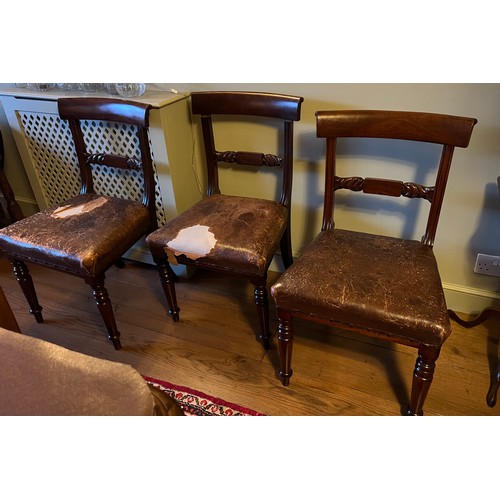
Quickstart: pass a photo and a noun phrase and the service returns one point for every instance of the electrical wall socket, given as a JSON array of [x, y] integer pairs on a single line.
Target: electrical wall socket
[[487, 264]]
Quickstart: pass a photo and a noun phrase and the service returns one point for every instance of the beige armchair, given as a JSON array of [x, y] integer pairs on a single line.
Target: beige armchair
[[41, 378]]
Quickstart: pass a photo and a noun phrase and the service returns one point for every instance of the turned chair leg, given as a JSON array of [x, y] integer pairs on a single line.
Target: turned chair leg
[[422, 378], [167, 280], [285, 345], [262, 307], [103, 302], [26, 282]]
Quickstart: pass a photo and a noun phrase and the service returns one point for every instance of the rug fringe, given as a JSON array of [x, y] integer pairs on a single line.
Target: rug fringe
[[197, 403]]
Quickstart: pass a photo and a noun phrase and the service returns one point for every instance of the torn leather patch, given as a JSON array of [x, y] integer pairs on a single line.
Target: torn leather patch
[[68, 210], [193, 242]]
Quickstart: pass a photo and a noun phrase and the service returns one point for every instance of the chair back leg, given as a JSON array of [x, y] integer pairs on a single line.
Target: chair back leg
[[286, 248], [167, 280], [285, 344], [262, 306]]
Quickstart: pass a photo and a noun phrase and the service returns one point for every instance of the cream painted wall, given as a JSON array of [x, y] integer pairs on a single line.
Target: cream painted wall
[[470, 216]]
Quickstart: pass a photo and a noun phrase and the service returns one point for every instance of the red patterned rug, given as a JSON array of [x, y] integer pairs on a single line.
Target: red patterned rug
[[195, 403]]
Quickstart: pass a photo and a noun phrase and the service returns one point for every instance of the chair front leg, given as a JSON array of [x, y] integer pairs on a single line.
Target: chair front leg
[[25, 281], [422, 378], [103, 302], [285, 345], [167, 280]]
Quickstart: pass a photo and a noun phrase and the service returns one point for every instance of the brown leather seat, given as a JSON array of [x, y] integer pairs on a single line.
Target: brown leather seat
[[104, 228], [230, 233], [360, 287], [247, 232], [378, 285], [87, 234]]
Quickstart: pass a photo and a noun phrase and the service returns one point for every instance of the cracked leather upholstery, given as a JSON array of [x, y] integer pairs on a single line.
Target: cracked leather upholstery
[[248, 231], [44, 238], [349, 285]]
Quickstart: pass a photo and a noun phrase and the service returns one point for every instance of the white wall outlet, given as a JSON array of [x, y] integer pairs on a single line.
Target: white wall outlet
[[487, 264]]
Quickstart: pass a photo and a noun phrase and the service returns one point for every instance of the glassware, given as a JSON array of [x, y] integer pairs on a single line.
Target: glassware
[[69, 86], [92, 87], [130, 89], [41, 87], [111, 89]]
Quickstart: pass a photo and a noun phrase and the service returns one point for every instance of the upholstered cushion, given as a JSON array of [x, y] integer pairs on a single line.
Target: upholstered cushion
[[377, 283], [84, 234], [223, 231], [41, 378]]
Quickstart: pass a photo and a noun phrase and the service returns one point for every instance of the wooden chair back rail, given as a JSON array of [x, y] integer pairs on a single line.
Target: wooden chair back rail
[[242, 103], [385, 187], [412, 126], [104, 109], [284, 108], [249, 159], [280, 107], [116, 161], [75, 110], [446, 130]]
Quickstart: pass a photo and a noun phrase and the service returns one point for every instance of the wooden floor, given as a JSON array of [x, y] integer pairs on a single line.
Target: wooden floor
[[213, 348]]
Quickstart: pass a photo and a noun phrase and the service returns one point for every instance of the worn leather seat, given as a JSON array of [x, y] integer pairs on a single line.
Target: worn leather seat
[[359, 287], [246, 232], [102, 231]]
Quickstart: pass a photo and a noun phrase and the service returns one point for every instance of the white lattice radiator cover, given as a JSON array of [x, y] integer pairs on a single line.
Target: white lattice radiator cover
[[55, 163]]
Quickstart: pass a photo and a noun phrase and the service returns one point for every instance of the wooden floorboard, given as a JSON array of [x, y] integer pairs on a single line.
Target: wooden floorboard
[[213, 348]]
